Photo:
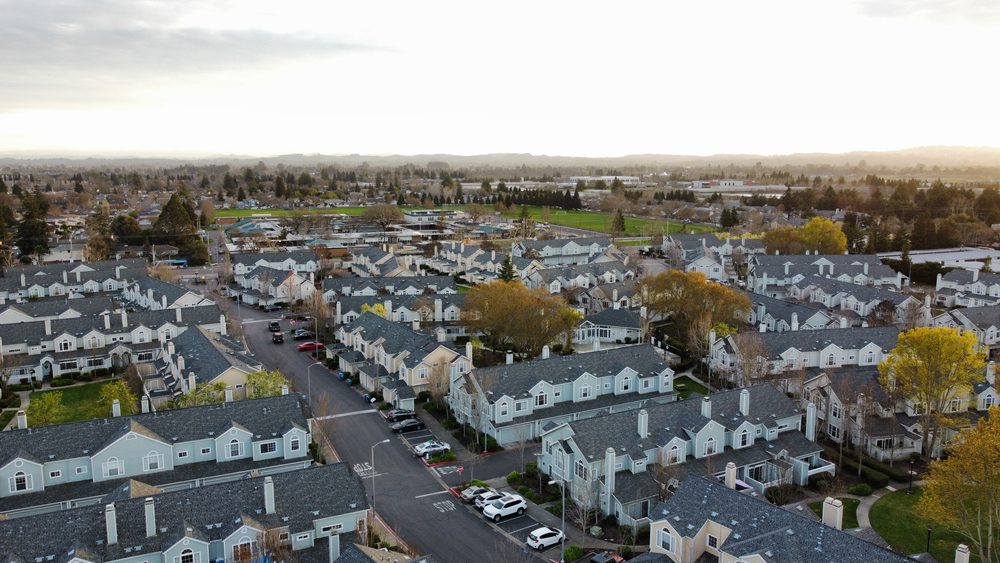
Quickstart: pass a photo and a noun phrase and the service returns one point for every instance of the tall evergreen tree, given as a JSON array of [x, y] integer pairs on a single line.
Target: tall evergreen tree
[[507, 272], [33, 232]]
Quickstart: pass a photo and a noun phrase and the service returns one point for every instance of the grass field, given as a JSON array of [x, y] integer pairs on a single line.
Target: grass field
[[850, 511], [684, 386], [589, 220], [895, 519], [80, 401]]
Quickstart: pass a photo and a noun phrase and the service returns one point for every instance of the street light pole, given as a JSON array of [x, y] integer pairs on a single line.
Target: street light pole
[[309, 381], [909, 491], [562, 542], [386, 441]]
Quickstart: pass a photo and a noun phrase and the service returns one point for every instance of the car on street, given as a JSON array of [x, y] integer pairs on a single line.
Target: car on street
[[470, 493], [506, 506], [483, 500], [303, 335], [544, 537], [270, 308], [396, 415], [274, 326], [407, 425], [310, 346], [431, 447], [278, 338]]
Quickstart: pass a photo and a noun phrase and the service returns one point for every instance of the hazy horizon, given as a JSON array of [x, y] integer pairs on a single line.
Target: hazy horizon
[[187, 79]]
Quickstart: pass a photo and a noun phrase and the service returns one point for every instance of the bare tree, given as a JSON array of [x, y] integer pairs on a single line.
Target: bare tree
[[586, 505], [753, 363]]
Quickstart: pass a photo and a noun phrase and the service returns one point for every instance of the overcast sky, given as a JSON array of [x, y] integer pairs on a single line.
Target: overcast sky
[[176, 77]]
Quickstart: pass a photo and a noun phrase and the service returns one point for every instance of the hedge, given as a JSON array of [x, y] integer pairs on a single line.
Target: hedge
[[59, 382], [873, 477], [861, 489]]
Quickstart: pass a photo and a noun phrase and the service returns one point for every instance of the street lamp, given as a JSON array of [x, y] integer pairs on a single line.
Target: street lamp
[[309, 381], [386, 441], [928, 539], [909, 491], [562, 542]]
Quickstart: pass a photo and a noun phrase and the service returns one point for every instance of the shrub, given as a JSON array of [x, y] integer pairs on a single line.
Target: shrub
[[896, 473], [876, 479], [629, 340], [20, 387], [384, 406], [424, 396], [69, 375], [555, 509], [59, 382], [443, 456], [780, 495], [513, 478], [10, 401], [531, 469], [861, 489], [574, 552], [820, 482]]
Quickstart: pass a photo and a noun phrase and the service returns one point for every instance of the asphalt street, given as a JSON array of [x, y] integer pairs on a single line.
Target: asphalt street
[[411, 498]]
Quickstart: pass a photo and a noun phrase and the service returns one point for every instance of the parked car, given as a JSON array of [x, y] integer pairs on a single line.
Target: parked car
[[274, 326], [470, 493], [485, 498], [396, 415], [270, 308], [310, 346], [278, 338], [507, 506], [431, 447], [407, 425], [544, 537], [303, 335]]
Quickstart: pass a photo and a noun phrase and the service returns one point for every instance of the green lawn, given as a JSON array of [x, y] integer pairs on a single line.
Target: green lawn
[[895, 519], [6, 417], [684, 386], [80, 401], [850, 511]]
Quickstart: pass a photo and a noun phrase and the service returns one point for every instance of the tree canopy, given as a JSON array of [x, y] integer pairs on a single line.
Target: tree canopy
[[263, 383], [32, 231], [818, 235], [692, 301], [46, 408], [514, 317]]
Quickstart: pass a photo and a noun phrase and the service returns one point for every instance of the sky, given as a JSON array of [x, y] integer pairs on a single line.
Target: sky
[[579, 78]]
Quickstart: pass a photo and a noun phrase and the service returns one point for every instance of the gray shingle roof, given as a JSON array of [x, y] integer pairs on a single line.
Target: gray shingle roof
[[815, 340], [250, 258], [762, 528], [964, 277], [981, 317], [160, 288], [863, 293], [516, 379], [781, 309], [90, 306], [398, 337], [559, 243], [207, 356], [615, 317], [208, 513], [262, 417]]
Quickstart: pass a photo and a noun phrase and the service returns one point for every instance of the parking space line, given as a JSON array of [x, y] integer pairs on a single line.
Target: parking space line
[[432, 494], [528, 527]]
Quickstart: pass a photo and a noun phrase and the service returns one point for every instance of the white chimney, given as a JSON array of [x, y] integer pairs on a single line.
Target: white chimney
[[833, 513], [107, 321], [170, 347], [149, 295], [150, 517], [22, 420], [643, 311], [609, 475], [284, 389], [761, 312], [614, 299], [388, 309], [48, 326], [795, 321], [975, 275], [181, 363], [333, 547], [144, 402], [163, 301], [438, 310], [843, 322], [510, 358], [706, 407], [124, 318], [192, 382], [336, 318], [597, 345], [23, 281], [111, 523], [991, 372], [762, 327], [268, 495], [962, 553], [178, 316], [811, 422], [545, 352], [229, 393], [864, 268], [938, 284], [65, 277], [787, 266], [78, 276], [222, 325], [116, 408], [731, 475], [415, 324], [643, 424], [468, 350], [745, 402]]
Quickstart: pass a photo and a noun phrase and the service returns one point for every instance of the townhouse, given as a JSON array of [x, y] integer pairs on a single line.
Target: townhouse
[[62, 466], [151, 294], [476, 264], [300, 261], [623, 462], [984, 322], [514, 402], [69, 281], [610, 295], [708, 254], [389, 355], [61, 347], [778, 315], [371, 261], [704, 520], [610, 326], [861, 302], [566, 278], [372, 286], [789, 356], [430, 308], [55, 308], [198, 357], [303, 512], [772, 274], [967, 288], [562, 252], [264, 285]]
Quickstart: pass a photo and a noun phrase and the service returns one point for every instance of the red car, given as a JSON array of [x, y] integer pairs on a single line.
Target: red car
[[310, 346]]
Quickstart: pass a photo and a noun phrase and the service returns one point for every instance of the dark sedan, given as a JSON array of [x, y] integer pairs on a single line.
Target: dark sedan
[[407, 425]]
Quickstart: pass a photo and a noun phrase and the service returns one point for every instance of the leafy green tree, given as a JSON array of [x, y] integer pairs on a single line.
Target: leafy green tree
[[263, 383], [209, 394], [46, 408], [176, 225], [117, 389], [126, 229], [99, 242]]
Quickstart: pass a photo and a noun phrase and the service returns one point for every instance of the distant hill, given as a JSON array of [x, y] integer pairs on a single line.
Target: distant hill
[[927, 156]]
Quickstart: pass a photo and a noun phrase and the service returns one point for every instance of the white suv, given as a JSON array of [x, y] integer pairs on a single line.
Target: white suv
[[511, 504]]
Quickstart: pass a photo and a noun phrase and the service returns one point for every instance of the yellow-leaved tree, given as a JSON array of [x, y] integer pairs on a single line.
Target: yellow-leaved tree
[[930, 366], [264, 383], [378, 309], [823, 235], [512, 317], [962, 492]]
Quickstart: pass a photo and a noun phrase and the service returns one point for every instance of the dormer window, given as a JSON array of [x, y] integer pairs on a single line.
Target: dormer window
[[744, 438], [541, 399]]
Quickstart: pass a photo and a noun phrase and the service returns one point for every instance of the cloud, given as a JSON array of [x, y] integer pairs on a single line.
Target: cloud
[[103, 51], [976, 11]]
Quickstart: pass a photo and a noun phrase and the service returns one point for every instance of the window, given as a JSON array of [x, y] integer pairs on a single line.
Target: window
[[870, 357], [520, 406], [20, 482], [93, 342], [55, 474], [666, 540], [70, 365], [710, 446], [585, 392], [245, 550], [504, 409], [95, 362], [954, 405], [114, 467], [988, 401], [626, 383], [65, 345], [831, 360], [833, 431], [744, 438], [294, 444], [206, 451], [152, 462], [235, 448], [81, 470], [835, 411], [302, 537], [541, 399], [188, 556], [713, 542], [283, 537], [144, 357], [268, 447], [182, 454], [331, 528], [674, 455], [581, 470]]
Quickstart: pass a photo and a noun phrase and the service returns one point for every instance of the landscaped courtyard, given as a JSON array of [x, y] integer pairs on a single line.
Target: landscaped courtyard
[[895, 518], [81, 401]]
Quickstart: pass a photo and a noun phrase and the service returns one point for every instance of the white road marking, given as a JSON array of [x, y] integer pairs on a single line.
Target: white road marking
[[252, 321], [329, 416], [432, 494], [444, 506]]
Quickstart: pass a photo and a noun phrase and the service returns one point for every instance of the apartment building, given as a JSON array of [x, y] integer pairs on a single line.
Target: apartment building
[[861, 302], [984, 322], [967, 288], [772, 274], [264, 285], [153, 294], [778, 315], [68, 281], [566, 278], [300, 261], [562, 252], [198, 357], [375, 286]]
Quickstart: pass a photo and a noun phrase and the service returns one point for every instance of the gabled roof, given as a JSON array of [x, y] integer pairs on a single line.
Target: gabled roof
[[782, 310], [251, 258], [172, 291], [964, 277], [208, 355], [559, 243], [615, 317], [863, 293], [845, 338], [981, 318]]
